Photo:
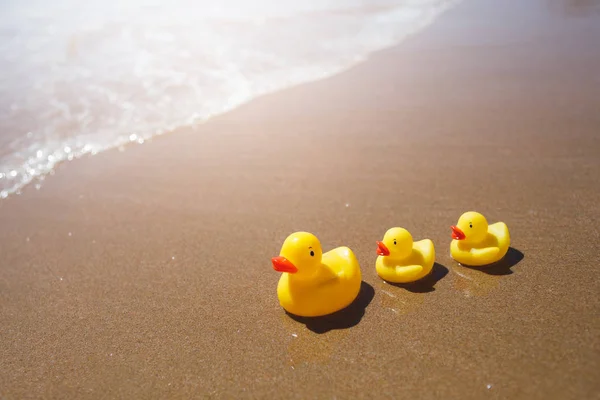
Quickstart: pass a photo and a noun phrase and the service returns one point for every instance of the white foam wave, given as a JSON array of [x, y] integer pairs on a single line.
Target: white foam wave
[[82, 77]]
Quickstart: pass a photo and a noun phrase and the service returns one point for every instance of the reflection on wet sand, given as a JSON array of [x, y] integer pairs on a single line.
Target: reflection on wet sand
[[473, 281], [404, 298], [315, 339], [398, 301], [307, 347]]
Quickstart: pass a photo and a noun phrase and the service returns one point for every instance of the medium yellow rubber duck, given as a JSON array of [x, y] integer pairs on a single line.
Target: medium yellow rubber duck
[[315, 284], [401, 260], [475, 243]]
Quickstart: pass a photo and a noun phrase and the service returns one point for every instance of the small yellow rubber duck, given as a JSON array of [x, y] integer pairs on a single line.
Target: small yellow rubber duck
[[475, 243], [401, 260], [315, 284]]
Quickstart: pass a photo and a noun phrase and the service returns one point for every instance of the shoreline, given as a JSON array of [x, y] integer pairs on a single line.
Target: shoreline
[[147, 274], [60, 156]]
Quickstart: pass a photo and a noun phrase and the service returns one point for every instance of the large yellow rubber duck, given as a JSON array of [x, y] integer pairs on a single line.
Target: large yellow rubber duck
[[401, 260], [313, 283], [475, 243]]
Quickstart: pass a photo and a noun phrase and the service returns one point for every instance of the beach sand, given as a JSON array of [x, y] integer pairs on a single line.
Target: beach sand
[[146, 273]]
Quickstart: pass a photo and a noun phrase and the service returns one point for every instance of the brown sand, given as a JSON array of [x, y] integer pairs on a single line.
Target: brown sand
[[146, 273]]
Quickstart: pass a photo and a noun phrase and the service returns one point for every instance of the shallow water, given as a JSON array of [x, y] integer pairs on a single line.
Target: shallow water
[[81, 77]]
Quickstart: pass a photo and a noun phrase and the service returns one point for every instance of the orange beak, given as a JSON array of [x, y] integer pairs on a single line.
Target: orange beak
[[282, 264], [457, 233], [382, 249]]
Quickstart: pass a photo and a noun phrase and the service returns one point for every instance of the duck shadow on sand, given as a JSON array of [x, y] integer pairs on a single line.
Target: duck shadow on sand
[[343, 319], [426, 285], [502, 267]]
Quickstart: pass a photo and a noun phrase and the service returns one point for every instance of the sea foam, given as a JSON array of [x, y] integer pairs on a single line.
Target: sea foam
[[80, 77]]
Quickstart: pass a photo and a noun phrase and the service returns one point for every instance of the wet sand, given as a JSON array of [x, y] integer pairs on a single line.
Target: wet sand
[[145, 273]]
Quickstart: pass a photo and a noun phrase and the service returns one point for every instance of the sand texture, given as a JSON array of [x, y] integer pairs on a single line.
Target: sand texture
[[146, 273]]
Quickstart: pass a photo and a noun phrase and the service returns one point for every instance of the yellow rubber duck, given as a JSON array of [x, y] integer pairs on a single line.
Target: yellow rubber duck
[[401, 260], [475, 243], [313, 283]]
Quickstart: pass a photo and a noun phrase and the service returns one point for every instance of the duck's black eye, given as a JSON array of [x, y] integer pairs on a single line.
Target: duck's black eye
[[470, 225], [394, 241], [312, 253]]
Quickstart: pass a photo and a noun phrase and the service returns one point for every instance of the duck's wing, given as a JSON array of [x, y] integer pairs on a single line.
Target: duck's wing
[[409, 272], [486, 252], [426, 249], [500, 231], [342, 262]]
